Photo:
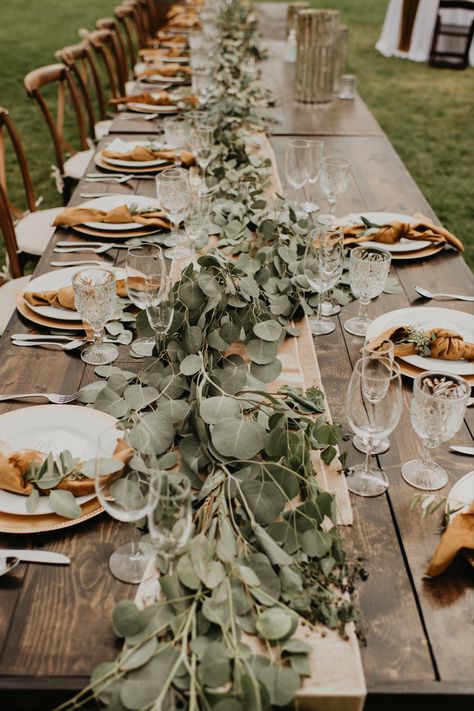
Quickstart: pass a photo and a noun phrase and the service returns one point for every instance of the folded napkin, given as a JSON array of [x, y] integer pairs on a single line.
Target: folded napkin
[[164, 36], [142, 153], [64, 298], [166, 70], [14, 468], [176, 10], [161, 98], [72, 216], [423, 229], [436, 342], [171, 52], [184, 21], [459, 534]]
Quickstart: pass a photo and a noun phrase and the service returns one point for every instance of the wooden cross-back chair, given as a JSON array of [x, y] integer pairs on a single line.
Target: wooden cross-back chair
[[105, 45], [111, 24], [58, 75], [127, 18], [457, 58], [24, 231]]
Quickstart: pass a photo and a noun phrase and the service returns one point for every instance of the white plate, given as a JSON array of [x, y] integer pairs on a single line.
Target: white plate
[[427, 317], [120, 146], [149, 109], [50, 428], [152, 78], [461, 493], [174, 60], [110, 201], [56, 280], [385, 218]]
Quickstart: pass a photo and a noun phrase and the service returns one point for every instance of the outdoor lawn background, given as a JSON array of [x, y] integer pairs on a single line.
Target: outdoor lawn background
[[427, 113]]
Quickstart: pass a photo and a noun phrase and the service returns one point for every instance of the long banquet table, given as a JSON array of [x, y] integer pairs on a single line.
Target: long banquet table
[[55, 622]]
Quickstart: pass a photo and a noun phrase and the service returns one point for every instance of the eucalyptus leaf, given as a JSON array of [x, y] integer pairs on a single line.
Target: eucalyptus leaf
[[64, 504]]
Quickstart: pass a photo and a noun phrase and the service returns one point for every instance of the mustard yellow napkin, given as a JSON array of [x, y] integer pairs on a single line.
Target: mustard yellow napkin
[[64, 298], [458, 535], [424, 229], [166, 70], [442, 343], [72, 216]]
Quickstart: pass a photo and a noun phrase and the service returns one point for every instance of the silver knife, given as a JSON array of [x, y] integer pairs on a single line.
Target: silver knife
[[35, 556], [462, 450]]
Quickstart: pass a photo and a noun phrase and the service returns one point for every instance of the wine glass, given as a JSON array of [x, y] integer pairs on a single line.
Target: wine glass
[[437, 411], [368, 271], [334, 176], [295, 165], [314, 156], [374, 405], [95, 297], [385, 350], [322, 266], [202, 83], [170, 516], [160, 309], [143, 262], [123, 489], [174, 194], [176, 130], [204, 141], [195, 221]]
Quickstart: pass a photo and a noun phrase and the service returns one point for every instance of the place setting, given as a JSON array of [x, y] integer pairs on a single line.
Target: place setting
[[139, 157]]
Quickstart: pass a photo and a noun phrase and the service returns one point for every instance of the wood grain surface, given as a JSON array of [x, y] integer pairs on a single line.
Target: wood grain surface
[[55, 621]]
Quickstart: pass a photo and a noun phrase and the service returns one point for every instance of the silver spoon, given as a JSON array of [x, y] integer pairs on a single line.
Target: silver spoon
[[80, 263], [442, 297], [72, 345], [7, 564]]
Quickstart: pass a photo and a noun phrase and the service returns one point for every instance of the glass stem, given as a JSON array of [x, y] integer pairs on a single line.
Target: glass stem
[[135, 552], [368, 454], [331, 204], [319, 304], [426, 457], [363, 309], [98, 337]]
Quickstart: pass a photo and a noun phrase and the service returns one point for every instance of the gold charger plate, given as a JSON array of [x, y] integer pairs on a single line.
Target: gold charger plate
[[418, 254], [118, 234], [14, 523], [412, 371], [34, 317], [135, 170]]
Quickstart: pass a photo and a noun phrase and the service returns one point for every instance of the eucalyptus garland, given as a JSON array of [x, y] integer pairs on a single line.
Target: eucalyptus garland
[[265, 552]]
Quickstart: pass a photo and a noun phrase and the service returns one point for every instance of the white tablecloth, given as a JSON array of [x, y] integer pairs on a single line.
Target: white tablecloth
[[423, 29]]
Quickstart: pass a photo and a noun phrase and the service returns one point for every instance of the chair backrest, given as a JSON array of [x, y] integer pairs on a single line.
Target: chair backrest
[[111, 24], [60, 75], [127, 18], [104, 43], [80, 60], [8, 211]]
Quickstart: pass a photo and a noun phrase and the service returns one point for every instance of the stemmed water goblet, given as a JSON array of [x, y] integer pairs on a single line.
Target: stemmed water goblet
[[143, 262], [202, 83], [374, 404], [368, 271], [195, 221], [95, 297], [295, 165], [176, 130], [385, 350], [334, 176], [170, 516], [204, 135], [314, 154], [437, 410], [123, 489], [174, 193], [322, 267]]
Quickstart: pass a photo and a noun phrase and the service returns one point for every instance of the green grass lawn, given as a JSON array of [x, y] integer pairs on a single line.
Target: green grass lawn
[[428, 114]]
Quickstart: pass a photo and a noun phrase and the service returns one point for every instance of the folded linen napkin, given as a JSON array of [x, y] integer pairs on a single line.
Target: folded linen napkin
[[163, 99], [423, 229], [435, 343], [72, 216], [171, 52], [166, 70], [165, 36], [184, 21], [63, 298], [142, 153], [458, 535], [15, 466]]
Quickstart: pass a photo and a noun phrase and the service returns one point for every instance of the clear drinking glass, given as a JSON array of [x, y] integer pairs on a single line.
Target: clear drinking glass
[[204, 143], [143, 262], [368, 272], [322, 266], [160, 309], [174, 194], [202, 83], [126, 495], [385, 350], [95, 296], [195, 222], [314, 156], [437, 410], [374, 405], [170, 516], [334, 176], [176, 130], [295, 165], [347, 90]]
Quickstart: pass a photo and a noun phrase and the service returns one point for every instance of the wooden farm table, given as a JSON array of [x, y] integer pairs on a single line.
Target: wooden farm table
[[55, 621]]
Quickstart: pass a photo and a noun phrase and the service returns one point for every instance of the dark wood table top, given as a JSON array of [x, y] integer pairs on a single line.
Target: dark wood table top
[[55, 621]]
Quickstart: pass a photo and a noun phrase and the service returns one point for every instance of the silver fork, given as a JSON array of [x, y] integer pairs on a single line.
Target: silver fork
[[96, 247], [55, 398], [106, 179], [72, 345]]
